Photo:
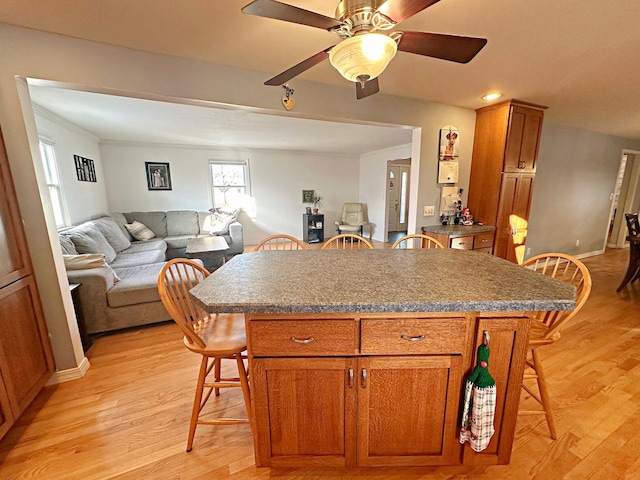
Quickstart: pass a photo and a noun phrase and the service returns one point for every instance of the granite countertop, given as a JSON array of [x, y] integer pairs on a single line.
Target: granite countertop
[[379, 280], [458, 229]]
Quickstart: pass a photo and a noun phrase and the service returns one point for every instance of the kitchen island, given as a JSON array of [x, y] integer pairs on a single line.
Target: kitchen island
[[358, 358]]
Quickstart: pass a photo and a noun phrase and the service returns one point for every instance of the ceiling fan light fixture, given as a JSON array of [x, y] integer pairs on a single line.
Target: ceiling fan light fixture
[[491, 96], [364, 55]]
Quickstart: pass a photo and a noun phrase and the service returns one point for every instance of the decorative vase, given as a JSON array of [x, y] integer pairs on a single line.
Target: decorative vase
[[315, 211], [308, 210]]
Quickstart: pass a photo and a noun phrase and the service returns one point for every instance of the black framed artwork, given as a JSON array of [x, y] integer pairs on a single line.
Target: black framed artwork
[[158, 176], [85, 169]]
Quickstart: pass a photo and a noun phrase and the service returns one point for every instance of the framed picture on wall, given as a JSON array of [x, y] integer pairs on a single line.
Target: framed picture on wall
[[85, 169], [307, 196], [158, 176], [449, 143]]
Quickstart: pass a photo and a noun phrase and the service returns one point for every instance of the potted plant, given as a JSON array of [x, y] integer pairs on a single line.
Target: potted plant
[[317, 203]]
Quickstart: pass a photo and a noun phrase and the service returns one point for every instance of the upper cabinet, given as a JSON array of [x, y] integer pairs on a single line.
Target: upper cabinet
[[523, 139]]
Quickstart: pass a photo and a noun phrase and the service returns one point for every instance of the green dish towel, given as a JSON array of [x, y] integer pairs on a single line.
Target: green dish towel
[[479, 404]]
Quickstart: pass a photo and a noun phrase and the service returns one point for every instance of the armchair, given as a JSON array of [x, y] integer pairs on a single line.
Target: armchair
[[354, 218]]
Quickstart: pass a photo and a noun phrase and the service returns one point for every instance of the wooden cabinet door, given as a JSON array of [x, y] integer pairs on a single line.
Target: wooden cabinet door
[[407, 410], [508, 347], [513, 216], [6, 415], [305, 411], [14, 257], [523, 138], [25, 356]]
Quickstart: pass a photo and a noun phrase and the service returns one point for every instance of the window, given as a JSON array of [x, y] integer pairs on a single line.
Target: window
[[48, 155], [404, 184], [230, 184]]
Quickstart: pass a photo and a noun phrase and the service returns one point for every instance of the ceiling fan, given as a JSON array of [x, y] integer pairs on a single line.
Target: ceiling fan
[[368, 41]]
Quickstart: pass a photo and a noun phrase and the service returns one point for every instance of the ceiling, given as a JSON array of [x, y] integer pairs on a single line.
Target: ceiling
[[578, 57], [124, 119]]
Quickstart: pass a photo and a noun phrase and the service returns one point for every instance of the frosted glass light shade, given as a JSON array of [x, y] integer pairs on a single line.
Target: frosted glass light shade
[[367, 55]]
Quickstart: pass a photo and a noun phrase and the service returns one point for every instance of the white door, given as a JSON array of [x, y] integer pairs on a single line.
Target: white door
[[625, 199], [397, 197], [393, 200]]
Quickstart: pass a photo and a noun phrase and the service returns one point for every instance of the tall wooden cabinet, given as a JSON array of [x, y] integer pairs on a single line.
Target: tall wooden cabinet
[[26, 359], [505, 153]]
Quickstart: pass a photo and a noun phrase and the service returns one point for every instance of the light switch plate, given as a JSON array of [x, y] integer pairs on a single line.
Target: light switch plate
[[429, 211]]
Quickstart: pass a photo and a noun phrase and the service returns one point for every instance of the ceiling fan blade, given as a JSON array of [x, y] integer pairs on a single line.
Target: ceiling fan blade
[[399, 10], [289, 13], [370, 88], [439, 45], [296, 70]]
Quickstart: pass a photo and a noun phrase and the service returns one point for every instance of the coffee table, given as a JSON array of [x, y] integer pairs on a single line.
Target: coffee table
[[211, 250]]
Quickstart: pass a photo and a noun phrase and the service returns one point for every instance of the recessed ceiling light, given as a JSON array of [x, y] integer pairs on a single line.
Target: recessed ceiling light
[[491, 96]]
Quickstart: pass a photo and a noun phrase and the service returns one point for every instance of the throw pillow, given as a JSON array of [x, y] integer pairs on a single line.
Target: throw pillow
[[89, 260], [218, 222], [89, 239], [139, 231], [67, 246], [113, 234]]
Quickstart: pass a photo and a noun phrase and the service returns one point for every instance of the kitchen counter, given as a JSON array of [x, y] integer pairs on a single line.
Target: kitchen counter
[[358, 358], [458, 229], [465, 237], [379, 280]]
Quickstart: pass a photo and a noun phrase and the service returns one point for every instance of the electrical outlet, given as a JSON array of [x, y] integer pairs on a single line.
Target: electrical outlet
[[429, 211], [577, 243], [528, 251]]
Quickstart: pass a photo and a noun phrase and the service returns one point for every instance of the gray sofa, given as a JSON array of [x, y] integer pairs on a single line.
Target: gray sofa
[[123, 291]]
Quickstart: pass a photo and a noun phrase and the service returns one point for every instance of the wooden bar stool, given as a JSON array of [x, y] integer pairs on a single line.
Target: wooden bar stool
[[417, 240], [280, 241], [214, 337], [347, 241], [545, 326]]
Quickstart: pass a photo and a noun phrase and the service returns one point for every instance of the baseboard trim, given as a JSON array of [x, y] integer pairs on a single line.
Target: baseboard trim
[[70, 374], [589, 254]]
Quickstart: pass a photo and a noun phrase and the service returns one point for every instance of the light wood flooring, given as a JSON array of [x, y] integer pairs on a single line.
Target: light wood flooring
[[128, 417]]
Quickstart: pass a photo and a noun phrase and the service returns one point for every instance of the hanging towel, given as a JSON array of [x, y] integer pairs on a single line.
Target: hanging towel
[[479, 404]]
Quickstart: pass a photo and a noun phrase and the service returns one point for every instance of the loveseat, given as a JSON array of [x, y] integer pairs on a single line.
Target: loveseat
[[118, 273]]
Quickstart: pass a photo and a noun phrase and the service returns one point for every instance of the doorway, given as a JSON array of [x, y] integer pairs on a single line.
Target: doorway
[[625, 198], [398, 184]]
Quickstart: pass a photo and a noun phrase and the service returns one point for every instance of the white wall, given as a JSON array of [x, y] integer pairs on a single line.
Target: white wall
[[568, 157], [277, 181], [83, 199], [373, 185], [576, 175]]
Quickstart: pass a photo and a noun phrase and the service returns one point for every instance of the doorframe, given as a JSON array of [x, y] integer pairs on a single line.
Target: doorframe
[[629, 192]]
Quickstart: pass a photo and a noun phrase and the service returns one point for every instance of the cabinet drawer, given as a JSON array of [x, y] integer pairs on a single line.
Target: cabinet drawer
[[413, 336], [296, 338], [483, 240], [484, 250], [462, 243]]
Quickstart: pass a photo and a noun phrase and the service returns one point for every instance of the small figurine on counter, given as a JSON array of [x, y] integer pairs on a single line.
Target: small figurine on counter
[[467, 218]]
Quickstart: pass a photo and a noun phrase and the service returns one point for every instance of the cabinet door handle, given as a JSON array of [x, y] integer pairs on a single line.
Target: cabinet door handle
[[417, 338], [302, 340], [350, 384], [364, 378]]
